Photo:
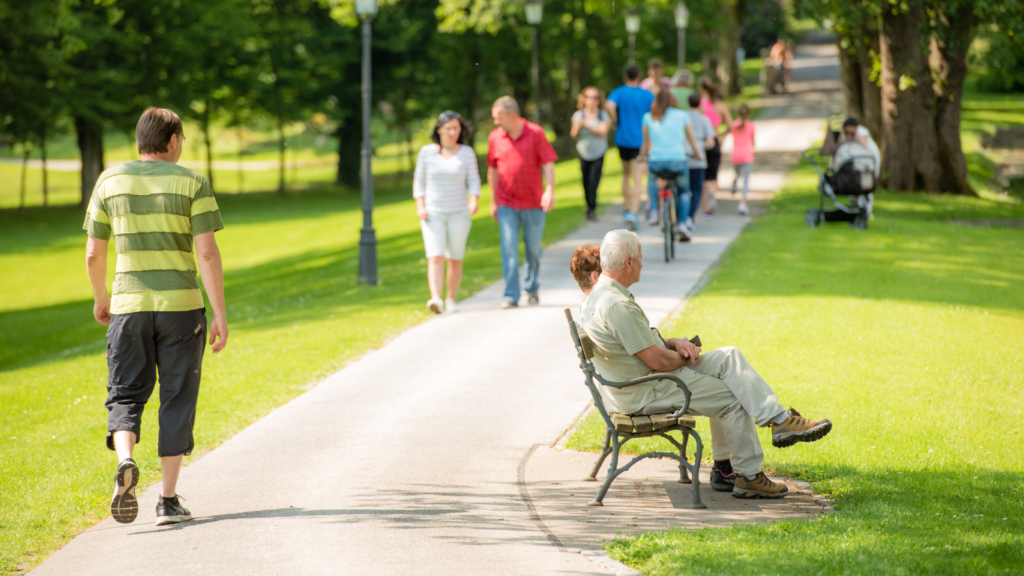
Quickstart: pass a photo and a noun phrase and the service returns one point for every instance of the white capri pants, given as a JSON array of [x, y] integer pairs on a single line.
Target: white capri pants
[[445, 234]]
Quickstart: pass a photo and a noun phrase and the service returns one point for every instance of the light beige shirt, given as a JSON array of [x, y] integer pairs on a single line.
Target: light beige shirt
[[619, 329]]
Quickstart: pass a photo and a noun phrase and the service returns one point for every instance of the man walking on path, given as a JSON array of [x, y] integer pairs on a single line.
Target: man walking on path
[[518, 154], [154, 209], [627, 105]]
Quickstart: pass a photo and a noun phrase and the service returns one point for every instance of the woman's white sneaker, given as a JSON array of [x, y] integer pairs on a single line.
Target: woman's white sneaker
[[450, 306], [436, 305]]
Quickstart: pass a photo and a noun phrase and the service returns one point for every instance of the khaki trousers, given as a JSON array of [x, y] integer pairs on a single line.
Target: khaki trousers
[[726, 389]]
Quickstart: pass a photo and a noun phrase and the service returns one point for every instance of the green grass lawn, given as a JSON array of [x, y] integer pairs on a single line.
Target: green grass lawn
[[908, 337], [295, 315]]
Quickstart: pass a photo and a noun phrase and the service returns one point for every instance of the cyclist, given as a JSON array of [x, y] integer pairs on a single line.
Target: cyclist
[[664, 129]]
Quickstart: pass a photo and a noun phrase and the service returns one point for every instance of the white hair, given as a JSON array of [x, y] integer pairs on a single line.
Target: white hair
[[616, 247], [507, 104]]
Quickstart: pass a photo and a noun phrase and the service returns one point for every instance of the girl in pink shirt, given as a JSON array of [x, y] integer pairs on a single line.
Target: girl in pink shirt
[[742, 153]]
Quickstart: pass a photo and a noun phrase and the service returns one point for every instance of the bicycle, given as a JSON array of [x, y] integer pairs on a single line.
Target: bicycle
[[668, 191]]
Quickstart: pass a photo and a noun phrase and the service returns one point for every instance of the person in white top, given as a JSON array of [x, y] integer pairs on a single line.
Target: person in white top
[[446, 173], [853, 130]]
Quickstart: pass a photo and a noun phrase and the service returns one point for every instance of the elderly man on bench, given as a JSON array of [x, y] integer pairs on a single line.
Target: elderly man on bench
[[724, 386]]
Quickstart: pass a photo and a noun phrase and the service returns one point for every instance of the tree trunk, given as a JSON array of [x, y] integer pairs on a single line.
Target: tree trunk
[[281, 145], [728, 43], [90, 147], [949, 59], [209, 146], [24, 171], [871, 94], [42, 151], [850, 77], [909, 142]]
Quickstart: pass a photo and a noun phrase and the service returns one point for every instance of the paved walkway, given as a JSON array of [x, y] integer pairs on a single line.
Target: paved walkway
[[406, 461]]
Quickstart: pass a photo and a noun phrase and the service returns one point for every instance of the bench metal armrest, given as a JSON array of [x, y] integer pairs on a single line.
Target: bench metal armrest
[[649, 378]]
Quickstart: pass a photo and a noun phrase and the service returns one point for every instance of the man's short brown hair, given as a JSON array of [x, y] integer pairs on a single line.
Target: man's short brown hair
[[585, 260], [155, 128]]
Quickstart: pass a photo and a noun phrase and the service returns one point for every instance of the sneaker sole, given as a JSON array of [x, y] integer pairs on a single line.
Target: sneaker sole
[[722, 487], [811, 435], [165, 520], [630, 225], [747, 494], [434, 308], [124, 507]]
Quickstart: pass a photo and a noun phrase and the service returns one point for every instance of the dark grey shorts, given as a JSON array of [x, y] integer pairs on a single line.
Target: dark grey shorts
[[139, 345]]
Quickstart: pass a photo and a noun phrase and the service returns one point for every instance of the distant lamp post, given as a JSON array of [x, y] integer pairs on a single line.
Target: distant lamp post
[[534, 14], [366, 10], [632, 26], [682, 21]]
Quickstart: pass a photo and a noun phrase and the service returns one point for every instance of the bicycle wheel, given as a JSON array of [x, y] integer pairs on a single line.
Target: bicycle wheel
[[666, 227]]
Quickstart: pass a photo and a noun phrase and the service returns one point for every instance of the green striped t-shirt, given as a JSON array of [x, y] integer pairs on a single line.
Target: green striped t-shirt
[[153, 209]]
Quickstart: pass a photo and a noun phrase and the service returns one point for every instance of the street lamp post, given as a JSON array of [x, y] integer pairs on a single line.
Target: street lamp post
[[632, 26], [366, 10], [682, 20], [534, 14]]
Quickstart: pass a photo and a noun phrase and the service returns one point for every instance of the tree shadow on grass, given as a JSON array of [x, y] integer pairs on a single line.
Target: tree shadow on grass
[[910, 252], [310, 285]]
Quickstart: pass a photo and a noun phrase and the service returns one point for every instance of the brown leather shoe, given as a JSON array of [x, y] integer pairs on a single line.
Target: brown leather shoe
[[796, 428], [760, 487]]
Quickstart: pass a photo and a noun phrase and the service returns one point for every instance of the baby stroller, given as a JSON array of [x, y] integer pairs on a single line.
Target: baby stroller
[[851, 173]]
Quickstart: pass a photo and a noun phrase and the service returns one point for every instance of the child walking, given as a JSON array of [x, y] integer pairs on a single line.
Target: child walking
[[742, 154]]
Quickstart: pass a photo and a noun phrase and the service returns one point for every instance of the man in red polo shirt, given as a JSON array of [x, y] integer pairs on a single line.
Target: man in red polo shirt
[[518, 154]]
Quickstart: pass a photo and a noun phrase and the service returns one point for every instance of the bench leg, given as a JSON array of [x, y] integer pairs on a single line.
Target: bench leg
[[698, 453], [684, 476], [605, 450], [613, 470]]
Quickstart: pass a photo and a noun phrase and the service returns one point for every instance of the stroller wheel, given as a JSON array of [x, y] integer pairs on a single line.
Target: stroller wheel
[[812, 217]]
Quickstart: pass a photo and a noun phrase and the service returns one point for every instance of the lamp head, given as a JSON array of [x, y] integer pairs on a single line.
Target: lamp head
[[632, 22], [682, 16], [534, 12], [366, 8]]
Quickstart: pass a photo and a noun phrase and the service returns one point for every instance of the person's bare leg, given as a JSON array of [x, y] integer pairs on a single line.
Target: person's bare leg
[[710, 187], [435, 275], [638, 183], [627, 189], [124, 445], [170, 467], [454, 278]]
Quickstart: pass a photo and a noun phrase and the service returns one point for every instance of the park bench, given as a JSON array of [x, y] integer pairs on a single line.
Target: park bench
[[621, 428]]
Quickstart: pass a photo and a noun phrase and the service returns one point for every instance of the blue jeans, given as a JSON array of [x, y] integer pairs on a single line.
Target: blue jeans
[[682, 184], [510, 221], [696, 188]]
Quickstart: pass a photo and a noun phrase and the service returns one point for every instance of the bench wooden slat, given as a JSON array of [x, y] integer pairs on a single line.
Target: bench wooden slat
[[622, 423], [642, 424]]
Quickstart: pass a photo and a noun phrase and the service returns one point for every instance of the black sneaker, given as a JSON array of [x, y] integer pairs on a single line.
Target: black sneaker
[[124, 507], [170, 511], [723, 478]]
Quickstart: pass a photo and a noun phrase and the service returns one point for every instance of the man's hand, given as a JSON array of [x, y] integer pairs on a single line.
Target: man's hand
[[101, 309], [686, 349], [218, 328], [547, 201], [494, 211]]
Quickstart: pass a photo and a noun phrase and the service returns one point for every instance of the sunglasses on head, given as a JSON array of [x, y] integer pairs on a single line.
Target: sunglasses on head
[[448, 115]]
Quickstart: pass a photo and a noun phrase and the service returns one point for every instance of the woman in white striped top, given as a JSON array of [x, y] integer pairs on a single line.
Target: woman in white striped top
[[446, 173]]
